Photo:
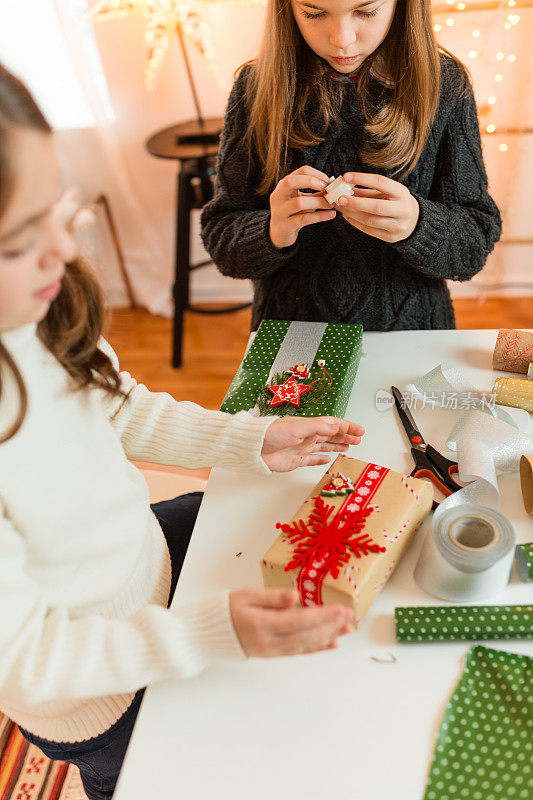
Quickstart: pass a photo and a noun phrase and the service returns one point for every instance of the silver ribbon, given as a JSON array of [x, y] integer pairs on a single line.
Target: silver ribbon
[[299, 346]]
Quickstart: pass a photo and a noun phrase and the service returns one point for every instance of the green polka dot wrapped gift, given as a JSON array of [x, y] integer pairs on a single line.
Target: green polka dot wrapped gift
[[300, 368]]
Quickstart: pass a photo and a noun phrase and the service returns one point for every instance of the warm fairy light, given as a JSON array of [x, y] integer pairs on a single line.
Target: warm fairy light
[[507, 26], [502, 147], [511, 58], [476, 34], [491, 100], [472, 53], [498, 78], [511, 3], [500, 56], [450, 2], [491, 128], [450, 22], [461, 6], [437, 27], [514, 19]]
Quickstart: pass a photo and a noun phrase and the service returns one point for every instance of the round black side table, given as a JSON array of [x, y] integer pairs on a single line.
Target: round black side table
[[195, 147]]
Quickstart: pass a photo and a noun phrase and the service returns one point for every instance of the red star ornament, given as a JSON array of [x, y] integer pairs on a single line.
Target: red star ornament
[[288, 392]]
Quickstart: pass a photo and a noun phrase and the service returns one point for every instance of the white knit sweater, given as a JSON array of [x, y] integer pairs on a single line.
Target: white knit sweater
[[84, 567]]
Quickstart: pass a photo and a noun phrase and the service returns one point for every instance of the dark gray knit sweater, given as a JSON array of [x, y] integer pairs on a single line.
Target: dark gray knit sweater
[[336, 273]]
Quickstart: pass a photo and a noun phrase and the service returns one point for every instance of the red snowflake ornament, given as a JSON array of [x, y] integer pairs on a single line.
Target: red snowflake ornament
[[325, 544], [288, 392]]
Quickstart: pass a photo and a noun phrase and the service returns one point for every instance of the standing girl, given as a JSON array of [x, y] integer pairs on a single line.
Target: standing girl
[[355, 88], [86, 567]]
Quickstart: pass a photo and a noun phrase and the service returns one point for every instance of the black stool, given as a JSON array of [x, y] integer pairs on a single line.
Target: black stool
[[194, 189]]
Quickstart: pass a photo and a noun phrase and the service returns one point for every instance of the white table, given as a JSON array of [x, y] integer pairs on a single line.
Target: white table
[[334, 723]]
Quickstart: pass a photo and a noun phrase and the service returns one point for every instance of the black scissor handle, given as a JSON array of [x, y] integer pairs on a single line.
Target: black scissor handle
[[446, 468]]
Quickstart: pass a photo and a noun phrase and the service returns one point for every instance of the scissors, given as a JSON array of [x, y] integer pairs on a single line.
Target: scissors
[[429, 463]]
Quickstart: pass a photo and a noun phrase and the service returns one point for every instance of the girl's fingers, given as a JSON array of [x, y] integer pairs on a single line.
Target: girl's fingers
[[328, 447], [307, 170], [385, 223], [370, 180], [296, 621], [310, 218], [358, 192], [297, 181], [305, 202], [319, 638], [375, 207]]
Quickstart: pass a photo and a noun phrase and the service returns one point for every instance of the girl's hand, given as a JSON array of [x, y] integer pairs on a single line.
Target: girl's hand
[[385, 209], [268, 623], [297, 442], [290, 210]]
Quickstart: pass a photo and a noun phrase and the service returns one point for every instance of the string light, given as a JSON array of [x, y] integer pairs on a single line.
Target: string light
[[510, 19]]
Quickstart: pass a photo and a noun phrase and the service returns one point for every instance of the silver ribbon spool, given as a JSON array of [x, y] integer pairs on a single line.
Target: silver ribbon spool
[[468, 555]]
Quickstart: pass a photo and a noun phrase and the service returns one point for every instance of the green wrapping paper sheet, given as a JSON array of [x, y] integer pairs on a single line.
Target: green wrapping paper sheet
[[484, 747], [447, 623], [339, 347], [524, 561]]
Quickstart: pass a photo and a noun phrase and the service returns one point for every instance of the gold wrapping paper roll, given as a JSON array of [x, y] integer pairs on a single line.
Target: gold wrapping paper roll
[[526, 481], [513, 351], [513, 392]]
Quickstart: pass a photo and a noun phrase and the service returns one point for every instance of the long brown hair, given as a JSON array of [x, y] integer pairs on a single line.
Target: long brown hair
[[288, 74], [75, 319]]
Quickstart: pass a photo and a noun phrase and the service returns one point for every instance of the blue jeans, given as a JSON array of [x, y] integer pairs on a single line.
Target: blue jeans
[[100, 759]]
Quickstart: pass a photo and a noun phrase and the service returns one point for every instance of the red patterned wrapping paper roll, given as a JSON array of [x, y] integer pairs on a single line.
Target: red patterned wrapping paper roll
[[513, 351]]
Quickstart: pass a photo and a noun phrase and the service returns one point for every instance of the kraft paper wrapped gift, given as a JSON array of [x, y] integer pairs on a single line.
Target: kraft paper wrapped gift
[[344, 542], [299, 368]]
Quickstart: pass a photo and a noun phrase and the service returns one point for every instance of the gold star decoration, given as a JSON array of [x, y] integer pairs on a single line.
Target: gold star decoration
[[163, 19]]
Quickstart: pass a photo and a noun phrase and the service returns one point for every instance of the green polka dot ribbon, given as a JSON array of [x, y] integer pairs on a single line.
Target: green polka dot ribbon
[[484, 747], [339, 348], [524, 561], [447, 623]]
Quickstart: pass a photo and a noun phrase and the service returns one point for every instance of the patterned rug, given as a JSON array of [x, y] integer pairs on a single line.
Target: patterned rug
[[26, 774]]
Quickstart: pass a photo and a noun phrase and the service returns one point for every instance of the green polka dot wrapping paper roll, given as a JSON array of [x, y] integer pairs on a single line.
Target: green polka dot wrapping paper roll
[[280, 345], [524, 561], [484, 747], [474, 623]]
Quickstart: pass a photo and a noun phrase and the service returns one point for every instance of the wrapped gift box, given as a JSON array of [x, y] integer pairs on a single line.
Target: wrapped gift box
[[315, 364], [344, 542]]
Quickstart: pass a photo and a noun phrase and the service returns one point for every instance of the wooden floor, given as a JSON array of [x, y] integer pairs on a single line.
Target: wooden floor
[[214, 345]]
